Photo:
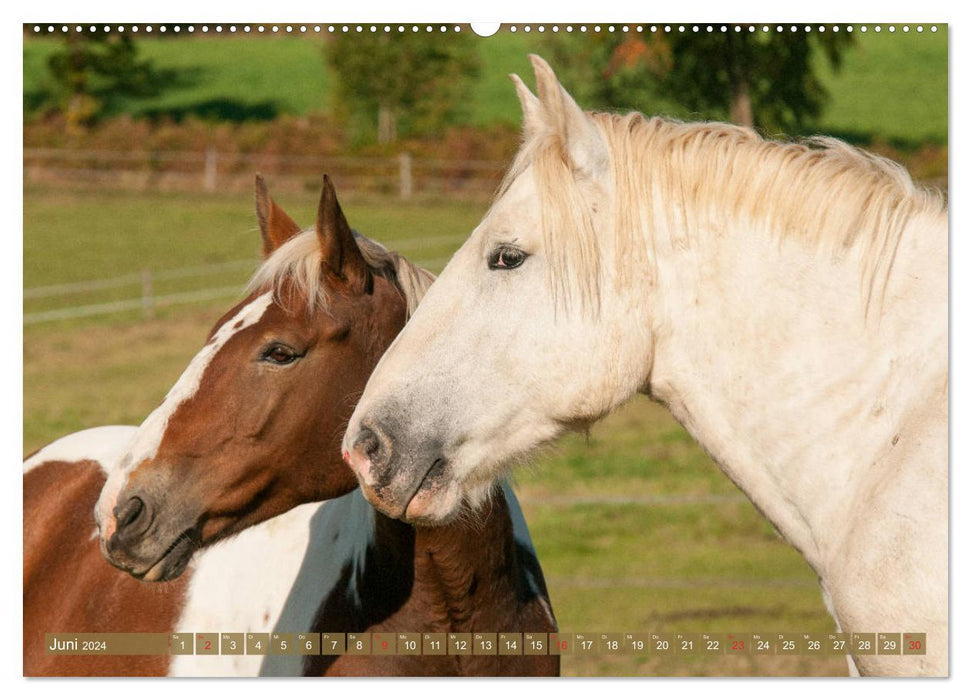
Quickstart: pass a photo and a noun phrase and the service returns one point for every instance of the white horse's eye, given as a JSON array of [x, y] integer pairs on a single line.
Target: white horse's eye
[[506, 257]]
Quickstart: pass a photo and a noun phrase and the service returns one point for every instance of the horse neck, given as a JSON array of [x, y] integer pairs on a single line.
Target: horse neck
[[465, 573], [766, 352]]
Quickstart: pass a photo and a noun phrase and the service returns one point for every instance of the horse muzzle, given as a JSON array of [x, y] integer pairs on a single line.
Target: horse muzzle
[[149, 547], [412, 484]]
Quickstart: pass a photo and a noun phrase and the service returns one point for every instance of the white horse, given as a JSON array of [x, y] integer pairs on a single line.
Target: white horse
[[787, 302]]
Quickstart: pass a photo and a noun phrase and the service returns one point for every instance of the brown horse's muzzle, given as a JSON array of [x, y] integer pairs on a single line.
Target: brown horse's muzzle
[[151, 539]]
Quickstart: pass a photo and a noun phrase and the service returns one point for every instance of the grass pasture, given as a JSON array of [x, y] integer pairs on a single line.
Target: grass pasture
[[892, 87], [635, 527]]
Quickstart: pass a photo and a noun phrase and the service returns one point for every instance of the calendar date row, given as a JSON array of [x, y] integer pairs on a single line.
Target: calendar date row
[[488, 643]]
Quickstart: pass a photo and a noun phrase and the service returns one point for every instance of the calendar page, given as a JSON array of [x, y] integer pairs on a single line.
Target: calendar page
[[607, 349]]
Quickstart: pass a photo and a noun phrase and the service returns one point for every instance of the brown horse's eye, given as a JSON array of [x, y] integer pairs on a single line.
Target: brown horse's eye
[[506, 257], [278, 354]]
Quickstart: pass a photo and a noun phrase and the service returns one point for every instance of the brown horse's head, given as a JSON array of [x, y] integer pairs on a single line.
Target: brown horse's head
[[253, 426]]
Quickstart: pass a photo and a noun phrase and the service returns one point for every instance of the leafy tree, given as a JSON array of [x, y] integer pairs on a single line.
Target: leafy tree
[[411, 83], [91, 71], [753, 78]]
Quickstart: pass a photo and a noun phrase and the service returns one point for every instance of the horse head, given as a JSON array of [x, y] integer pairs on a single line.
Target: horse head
[[252, 427]]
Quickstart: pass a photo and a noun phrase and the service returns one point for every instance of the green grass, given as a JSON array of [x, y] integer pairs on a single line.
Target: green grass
[[699, 559], [494, 98], [74, 234], [238, 78], [891, 86]]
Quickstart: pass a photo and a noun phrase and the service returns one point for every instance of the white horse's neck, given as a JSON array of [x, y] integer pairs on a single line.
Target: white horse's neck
[[765, 353]]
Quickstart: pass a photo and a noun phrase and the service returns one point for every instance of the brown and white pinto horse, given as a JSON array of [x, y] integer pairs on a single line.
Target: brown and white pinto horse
[[250, 431], [68, 587]]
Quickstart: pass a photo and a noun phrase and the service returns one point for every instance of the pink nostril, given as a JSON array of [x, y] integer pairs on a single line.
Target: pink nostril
[[365, 453], [356, 459]]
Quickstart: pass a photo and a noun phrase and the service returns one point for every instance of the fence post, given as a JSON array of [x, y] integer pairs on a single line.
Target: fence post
[[209, 179], [404, 175], [148, 297]]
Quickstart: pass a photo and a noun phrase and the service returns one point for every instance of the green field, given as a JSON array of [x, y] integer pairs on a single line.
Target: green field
[[892, 87], [691, 556]]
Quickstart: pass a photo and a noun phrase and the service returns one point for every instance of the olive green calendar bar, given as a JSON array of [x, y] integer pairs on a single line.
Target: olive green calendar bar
[[122, 643], [490, 643]]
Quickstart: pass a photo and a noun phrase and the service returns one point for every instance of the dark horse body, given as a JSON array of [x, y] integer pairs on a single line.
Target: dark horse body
[[477, 574], [386, 576]]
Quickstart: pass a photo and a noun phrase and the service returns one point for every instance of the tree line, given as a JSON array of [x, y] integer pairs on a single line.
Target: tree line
[[415, 84]]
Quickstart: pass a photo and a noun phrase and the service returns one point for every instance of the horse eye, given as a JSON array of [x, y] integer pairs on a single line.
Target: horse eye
[[506, 258], [279, 355]]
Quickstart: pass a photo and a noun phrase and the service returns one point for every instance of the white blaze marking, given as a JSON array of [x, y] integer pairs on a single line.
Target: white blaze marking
[[240, 585], [149, 436], [104, 445]]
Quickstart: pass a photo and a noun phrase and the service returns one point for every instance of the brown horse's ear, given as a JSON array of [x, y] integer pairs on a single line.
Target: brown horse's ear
[[276, 226], [342, 257]]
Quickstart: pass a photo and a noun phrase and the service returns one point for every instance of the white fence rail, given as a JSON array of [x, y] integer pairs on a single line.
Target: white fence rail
[[146, 282], [212, 170], [128, 280]]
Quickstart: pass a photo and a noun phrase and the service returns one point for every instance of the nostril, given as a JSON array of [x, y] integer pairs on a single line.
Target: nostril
[[368, 443], [371, 446], [127, 514]]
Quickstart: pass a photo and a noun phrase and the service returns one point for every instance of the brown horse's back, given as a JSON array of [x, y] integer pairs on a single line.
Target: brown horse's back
[[69, 587]]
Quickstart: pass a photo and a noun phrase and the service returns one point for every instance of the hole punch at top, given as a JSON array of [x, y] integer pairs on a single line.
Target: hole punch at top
[[485, 28]]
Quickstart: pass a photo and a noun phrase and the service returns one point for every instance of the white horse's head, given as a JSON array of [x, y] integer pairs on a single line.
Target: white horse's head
[[526, 333]]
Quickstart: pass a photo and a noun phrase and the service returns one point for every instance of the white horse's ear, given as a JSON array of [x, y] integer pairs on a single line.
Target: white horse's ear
[[532, 110], [582, 141]]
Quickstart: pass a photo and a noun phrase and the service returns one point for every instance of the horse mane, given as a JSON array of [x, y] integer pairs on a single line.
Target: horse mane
[[569, 240], [296, 267], [694, 177]]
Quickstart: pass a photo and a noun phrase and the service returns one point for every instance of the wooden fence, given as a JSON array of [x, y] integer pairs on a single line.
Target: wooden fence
[[211, 171]]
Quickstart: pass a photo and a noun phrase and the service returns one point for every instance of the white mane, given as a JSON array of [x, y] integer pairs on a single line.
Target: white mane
[[687, 177], [297, 266]]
